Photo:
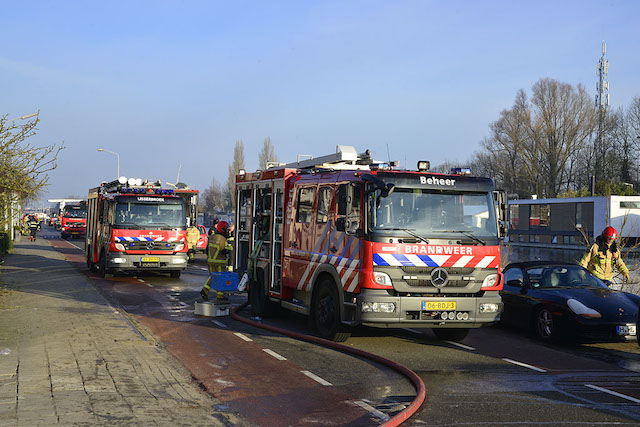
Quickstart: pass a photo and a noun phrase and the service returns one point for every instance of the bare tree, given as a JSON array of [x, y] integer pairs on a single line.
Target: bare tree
[[23, 167], [213, 198], [267, 154], [234, 168]]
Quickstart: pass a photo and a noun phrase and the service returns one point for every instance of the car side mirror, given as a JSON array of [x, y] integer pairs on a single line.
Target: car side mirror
[[515, 283]]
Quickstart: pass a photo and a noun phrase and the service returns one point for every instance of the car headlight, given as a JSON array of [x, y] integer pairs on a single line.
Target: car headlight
[[490, 281], [382, 278], [582, 310]]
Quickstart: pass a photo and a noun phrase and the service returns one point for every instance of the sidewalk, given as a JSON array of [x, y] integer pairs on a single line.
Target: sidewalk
[[68, 357]]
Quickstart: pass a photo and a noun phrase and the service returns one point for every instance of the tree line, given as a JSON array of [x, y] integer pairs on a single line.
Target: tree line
[[24, 167], [219, 197], [549, 144]]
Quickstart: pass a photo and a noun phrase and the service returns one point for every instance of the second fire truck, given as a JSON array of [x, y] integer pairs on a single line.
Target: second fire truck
[[348, 241], [136, 226]]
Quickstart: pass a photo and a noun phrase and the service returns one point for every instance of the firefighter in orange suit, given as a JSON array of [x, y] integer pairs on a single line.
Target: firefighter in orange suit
[[217, 251], [603, 256]]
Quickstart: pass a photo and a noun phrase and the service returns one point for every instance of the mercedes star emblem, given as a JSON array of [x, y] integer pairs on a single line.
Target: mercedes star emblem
[[439, 277], [150, 245]]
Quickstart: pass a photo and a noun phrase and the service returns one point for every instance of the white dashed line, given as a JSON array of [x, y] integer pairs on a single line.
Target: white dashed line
[[140, 280], [244, 337], [274, 354], [457, 344], [373, 411], [148, 284], [413, 331], [217, 322], [615, 393], [316, 378], [524, 365]]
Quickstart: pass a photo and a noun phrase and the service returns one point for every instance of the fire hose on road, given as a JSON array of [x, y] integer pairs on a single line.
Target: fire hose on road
[[399, 418]]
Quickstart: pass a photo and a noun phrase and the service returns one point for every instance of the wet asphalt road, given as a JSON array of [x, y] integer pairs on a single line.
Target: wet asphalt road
[[497, 377]]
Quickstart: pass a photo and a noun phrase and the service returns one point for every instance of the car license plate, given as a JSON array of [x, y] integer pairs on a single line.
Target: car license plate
[[628, 329], [438, 305], [150, 259]]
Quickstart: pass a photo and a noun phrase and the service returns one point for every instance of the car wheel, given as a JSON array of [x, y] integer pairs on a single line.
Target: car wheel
[[452, 334], [544, 325], [326, 313]]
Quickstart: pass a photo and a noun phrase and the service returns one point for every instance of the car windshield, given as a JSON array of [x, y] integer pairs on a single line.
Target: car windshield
[[562, 276], [433, 213], [160, 214]]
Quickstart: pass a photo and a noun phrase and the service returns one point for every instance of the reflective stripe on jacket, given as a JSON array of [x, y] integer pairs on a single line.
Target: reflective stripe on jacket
[[602, 264]]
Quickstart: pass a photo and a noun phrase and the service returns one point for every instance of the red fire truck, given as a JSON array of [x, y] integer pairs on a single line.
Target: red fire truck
[[348, 240], [73, 220], [135, 226]]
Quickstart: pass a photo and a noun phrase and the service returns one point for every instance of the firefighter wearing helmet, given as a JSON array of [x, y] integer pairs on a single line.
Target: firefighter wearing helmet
[[217, 251], [603, 256]]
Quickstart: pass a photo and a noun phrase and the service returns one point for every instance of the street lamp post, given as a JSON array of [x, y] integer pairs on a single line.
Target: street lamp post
[[115, 154]]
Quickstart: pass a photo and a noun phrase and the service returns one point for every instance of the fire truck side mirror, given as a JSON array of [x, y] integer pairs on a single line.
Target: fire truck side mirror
[[340, 224], [500, 198]]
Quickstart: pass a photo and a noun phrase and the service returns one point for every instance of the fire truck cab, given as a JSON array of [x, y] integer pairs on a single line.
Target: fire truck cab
[[348, 240], [135, 226], [73, 220]]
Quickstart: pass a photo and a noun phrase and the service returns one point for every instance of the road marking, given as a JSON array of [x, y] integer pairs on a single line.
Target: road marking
[[148, 284], [73, 245], [615, 393], [204, 269], [140, 280], [316, 378], [524, 365], [413, 331], [244, 337], [274, 354], [373, 411], [457, 344], [219, 323]]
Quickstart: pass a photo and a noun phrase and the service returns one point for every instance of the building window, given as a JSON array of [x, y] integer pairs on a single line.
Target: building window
[[514, 211], [539, 216], [629, 205]]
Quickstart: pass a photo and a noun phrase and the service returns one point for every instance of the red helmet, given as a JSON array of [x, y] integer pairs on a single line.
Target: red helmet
[[609, 234], [222, 227]]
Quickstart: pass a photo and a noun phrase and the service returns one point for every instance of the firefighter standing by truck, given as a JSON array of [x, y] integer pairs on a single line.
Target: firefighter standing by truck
[[603, 256], [193, 235], [217, 256]]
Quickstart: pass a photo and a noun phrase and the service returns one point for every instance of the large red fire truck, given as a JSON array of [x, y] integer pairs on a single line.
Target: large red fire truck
[[136, 226], [348, 240], [73, 220]]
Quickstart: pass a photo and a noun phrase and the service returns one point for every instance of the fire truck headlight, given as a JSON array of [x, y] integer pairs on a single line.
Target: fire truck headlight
[[490, 281], [179, 247], [119, 260], [489, 307], [179, 260], [378, 307], [382, 278], [120, 246]]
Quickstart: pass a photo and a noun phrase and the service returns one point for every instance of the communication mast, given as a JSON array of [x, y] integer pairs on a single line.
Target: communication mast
[[602, 102]]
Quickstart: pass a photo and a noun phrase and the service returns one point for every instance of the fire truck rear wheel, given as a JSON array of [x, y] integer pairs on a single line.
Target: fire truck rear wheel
[[453, 334], [326, 313], [64, 236], [260, 304]]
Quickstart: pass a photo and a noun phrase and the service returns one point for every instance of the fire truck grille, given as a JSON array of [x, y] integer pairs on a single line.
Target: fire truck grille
[[150, 246], [427, 283], [427, 270]]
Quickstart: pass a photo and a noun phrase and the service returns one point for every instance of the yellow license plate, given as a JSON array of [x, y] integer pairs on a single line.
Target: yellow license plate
[[438, 305], [150, 259]]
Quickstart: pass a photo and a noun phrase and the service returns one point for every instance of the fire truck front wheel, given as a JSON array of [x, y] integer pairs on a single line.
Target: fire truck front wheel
[[452, 334], [102, 266], [325, 313]]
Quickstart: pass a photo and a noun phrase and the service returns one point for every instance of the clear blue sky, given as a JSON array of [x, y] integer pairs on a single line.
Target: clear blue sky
[[164, 83]]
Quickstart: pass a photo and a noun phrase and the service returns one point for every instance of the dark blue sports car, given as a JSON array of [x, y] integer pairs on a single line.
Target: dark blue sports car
[[564, 300]]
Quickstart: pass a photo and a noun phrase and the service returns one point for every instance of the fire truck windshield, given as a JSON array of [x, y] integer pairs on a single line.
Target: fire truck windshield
[[75, 212], [157, 213], [432, 213]]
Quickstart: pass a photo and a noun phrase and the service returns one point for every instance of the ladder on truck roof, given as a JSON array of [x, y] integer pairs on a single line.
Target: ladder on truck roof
[[345, 157]]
